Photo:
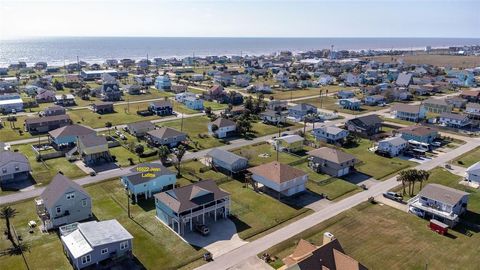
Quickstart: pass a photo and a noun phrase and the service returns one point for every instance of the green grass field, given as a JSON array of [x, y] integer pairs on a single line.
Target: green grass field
[[10, 131], [468, 159]]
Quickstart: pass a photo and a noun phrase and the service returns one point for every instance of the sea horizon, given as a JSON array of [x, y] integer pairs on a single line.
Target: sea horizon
[[96, 49]]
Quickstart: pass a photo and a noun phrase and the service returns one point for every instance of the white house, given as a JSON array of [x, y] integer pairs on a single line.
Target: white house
[[393, 146], [224, 127], [472, 174], [454, 120], [330, 134], [282, 178]]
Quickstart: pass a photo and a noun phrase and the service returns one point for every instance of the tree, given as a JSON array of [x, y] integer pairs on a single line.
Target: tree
[[108, 125], [214, 128], [249, 104], [12, 119], [19, 248], [139, 149], [163, 153], [208, 111], [8, 213], [410, 177], [179, 153], [244, 126]]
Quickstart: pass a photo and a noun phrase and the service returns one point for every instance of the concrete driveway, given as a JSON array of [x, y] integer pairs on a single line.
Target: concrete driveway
[[252, 263], [398, 205], [222, 239]]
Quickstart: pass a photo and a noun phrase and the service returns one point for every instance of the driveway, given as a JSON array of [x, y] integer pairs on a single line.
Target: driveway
[[398, 205], [252, 263], [222, 239]]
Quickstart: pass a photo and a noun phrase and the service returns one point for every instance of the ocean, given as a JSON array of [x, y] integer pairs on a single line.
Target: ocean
[[57, 51]]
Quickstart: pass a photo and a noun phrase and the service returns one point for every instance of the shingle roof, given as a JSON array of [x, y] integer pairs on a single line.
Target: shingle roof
[[404, 79], [331, 130], [141, 125], [47, 119], [57, 188], [165, 132], [454, 116], [277, 172], [405, 108], [71, 130], [303, 107], [396, 141], [331, 154], [92, 140], [291, 138], [162, 103], [417, 130], [9, 156], [442, 193], [138, 175], [368, 120], [191, 196], [224, 155], [223, 122]]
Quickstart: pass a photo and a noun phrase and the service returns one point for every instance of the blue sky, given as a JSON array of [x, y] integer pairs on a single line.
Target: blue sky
[[235, 18]]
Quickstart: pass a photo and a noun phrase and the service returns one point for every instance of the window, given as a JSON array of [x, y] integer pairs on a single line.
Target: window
[[70, 196], [104, 251], [4, 170], [86, 259], [84, 202], [124, 245], [58, 209], [17, 168]]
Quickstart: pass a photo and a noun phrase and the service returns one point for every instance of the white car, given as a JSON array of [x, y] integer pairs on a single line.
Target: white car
[[416, 212]]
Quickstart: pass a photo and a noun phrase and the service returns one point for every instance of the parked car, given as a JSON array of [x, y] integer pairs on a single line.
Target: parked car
[[437, 144], [207, 257], [202, 229], [417, 212], [393, 196]]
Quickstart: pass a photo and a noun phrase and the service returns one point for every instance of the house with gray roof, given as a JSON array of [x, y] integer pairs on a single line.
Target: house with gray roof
[[147, 179], [456, 120], [441, 203], [299, 111], [331, 161], [139, 129], [165, 136], [222, 127], [67, 136], [393, 146], [53, 110], [87, 244], [179, 207], [404, 79], [225, 160], [63, 202], [413, 113], [330, 134], [14, 166], [36, 125], [93, 149]]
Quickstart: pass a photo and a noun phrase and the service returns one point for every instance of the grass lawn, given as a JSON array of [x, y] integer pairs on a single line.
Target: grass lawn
[[44, 172], [468, 159], [307, 92], [378, 235], [10, 133], [214, 105], [398, 121], [180, 108], [374, 165], [197, 130], [191, 173], [253, 152], [329, 103], [152, 94], [121, 115]]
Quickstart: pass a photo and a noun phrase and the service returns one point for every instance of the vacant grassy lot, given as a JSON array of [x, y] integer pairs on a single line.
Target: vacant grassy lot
[[468, 159], [214, 105], [153, 244], [380, 236], [44, 172], [180, 108], [329, 103], [437, 60], [12, 131], [263, 153], [152, 94], [123, 114], [374, 165], [197, 130]]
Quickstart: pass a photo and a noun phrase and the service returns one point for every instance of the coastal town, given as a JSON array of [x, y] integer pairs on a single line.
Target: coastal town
[[323, 159]]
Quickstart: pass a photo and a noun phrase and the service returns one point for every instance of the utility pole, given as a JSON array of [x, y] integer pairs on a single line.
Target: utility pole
[[128, 201]]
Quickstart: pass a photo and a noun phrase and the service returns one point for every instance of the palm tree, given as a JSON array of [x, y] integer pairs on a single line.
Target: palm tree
[[19, 248], [108, 125], [179, 155], [7, 213], [403, 177], [163, 153], [423, 176]]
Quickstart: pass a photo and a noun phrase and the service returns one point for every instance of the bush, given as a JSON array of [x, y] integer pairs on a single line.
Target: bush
[[149, 154], [204, 169]]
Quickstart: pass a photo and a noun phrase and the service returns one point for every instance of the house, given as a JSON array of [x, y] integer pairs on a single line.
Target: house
[[366, 126], [473, 110], [277, 105], [90, 243], [419, 134], [330, 134], [472, 174], [165, 136], [67, 136], [103, 107], [350, 104], [90, 75], [441, 203], [299, 111], [148, 179], [11, 103], [54, 110], [456, 120], [93, 149], [260, 88], [471, 95], [437, 106], [133, 89], [225, 160], [63, 202], [273, 117], [179, 207], [44, 96], [110, 91], [197, 77], [393, 146], [163, 82], [242, 80], [222, 127], [178, 88], [45, 124], [224, 79], [14, 166], [344, 94], [412, 113], [193, 103], [331, 161], [216, 90], [139, 129], [289, 143], [457, 102], [161, 107], [282, 178], [65, 100], [180, 97], [404, 79], [375, 100], [329, 256]]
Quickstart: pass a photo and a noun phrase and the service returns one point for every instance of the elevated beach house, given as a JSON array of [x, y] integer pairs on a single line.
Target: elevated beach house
[[331, 161], [165, 136], [224, 160], [222, 127], [14, 166]]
